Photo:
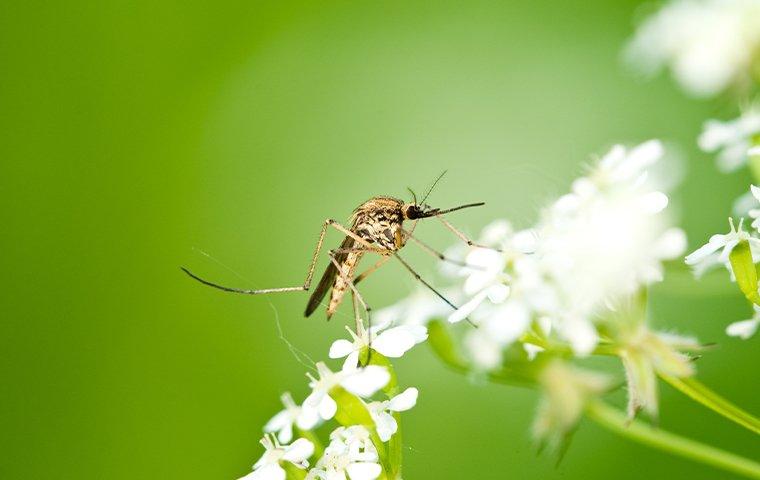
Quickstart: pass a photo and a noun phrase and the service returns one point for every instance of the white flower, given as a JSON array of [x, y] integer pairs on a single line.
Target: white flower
[[380, 412], [363, 382], [283, 421], [485, 275], [744, 329], [733, 139], [644, 354], [350, 453], [717, 250], [268, 467], [708, 44], [391, 342]]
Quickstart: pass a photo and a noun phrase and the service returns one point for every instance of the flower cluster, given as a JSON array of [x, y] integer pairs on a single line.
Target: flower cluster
[[709, 45], [573, 283], [724, 249], [359, 444]]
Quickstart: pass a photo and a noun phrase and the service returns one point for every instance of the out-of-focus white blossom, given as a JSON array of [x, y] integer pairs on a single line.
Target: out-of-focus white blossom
[[604, 240], [350, 454], [381, 412], [733, 140], [268, 466], [567, 390], [363, 382], [717, 250], [707, 44], [645, 354], [392, 342], [744, 329]]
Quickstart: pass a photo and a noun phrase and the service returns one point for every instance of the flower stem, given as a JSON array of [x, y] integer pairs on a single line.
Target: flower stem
[[697, 391], [618, 422]]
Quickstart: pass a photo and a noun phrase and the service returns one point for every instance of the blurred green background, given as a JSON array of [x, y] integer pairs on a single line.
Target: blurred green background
[[138, 135]]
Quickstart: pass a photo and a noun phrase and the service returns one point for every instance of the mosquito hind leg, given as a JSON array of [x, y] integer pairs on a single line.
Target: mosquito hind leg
[[310, 274]]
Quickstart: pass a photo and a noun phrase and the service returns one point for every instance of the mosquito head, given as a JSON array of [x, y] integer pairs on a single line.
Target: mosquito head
[[412, 211]]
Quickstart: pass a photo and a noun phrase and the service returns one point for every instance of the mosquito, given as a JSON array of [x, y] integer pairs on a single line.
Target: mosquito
[[377, 226]]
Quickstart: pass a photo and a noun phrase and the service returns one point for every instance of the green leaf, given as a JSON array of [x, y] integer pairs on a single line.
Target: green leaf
[[377, 358], [292, 472], [351, 410], [744, 271]]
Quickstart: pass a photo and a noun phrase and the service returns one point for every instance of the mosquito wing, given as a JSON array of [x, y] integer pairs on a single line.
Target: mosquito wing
[[328, 278]]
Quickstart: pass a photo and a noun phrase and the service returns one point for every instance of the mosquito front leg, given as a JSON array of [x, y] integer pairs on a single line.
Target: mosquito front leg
[[430, 287], [438, 254], [462, 236]]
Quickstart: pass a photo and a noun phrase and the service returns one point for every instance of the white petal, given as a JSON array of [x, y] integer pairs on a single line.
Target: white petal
[[654, 202], [404, 401], [394, 342], [419, 332], [327, 407], [309, 417], [671, 244], [581, 334], [352, 361], [509, 322], [465, 310], [366, 381], [755, 191], [272, 471], [340, 348], [716, 241], [743, 329], [363, 471], [299, 451], [498, 293], [754, 151], [277, 422], [285, 434], [532, 350], [385, 425]]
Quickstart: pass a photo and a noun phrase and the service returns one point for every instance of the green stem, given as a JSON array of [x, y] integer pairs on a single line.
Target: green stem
[[618, 422], [700, 393]]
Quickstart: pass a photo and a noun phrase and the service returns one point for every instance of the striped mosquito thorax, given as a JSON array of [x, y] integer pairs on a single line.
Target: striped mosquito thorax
[[378, 221]]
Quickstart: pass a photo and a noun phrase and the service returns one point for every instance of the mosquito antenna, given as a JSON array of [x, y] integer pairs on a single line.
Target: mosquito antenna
[[469, 205], [433, 185], [414, 195]]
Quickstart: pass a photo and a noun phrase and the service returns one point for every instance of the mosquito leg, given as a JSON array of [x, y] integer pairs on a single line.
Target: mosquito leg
[[357, 316], [427, 248], [462, 236], [307, 283], [430, 287]]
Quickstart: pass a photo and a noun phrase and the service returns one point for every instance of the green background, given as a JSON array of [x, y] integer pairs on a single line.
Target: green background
[[137, 135]]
